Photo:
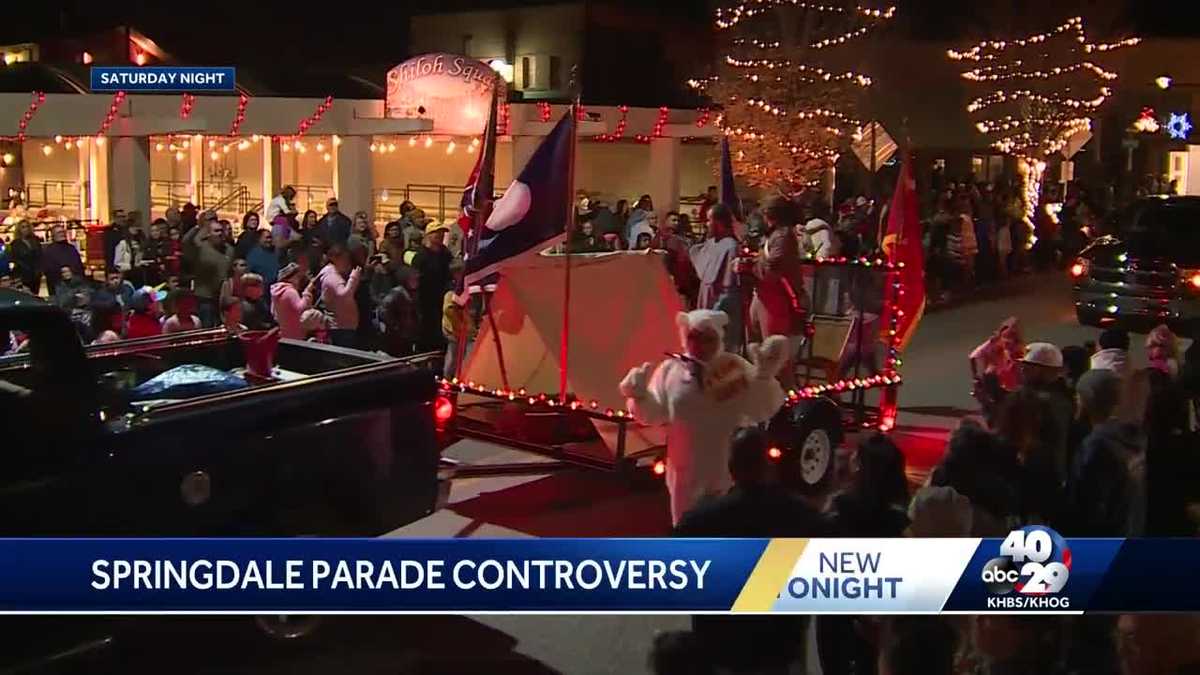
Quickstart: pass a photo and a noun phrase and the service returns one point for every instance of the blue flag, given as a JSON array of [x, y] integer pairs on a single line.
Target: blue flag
[[534, 209], [728, 191]]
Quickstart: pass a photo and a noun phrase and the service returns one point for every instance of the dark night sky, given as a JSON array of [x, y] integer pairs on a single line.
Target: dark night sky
[[375, 33]]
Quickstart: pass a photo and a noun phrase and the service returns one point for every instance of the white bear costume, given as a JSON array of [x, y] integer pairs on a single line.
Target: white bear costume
[[703, 404]]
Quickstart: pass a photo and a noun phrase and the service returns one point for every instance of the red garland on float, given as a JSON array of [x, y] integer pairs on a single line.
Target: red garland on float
[[109, 118], [39, 97], [544, 110], [659, 123], [702, 120], [240, 115], [619, 133], [888, 380], [185, 108]]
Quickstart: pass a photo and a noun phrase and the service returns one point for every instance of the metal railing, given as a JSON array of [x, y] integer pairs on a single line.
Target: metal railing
[[437, 201], [229, 200], [311, 197], [60, 193]]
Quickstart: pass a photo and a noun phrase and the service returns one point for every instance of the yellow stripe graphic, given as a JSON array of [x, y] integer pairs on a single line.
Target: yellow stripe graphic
[[773, 570]]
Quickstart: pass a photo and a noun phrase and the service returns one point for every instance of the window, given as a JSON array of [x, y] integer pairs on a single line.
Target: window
[[526, 67], [555, 72]]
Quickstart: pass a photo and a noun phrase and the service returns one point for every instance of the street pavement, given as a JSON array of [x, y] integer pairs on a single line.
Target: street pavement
[[934, 398]]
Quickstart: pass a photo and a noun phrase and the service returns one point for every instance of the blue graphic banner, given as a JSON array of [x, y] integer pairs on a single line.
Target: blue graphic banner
[[162, 78], [160, 575], [1032, 570]]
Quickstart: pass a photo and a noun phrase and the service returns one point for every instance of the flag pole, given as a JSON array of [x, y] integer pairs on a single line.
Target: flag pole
[[480, 208], [564, 346]]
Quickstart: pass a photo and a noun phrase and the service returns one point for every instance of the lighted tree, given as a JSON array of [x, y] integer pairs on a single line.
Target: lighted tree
[[1040, 91], [787, 100]]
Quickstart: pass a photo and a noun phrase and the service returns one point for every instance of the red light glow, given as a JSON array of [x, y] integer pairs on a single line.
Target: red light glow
[[774, 452], [660, 468], [443, 410]]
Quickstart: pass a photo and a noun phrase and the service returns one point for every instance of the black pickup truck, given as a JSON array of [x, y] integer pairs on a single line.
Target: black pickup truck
[[337, 443], [340, 442]]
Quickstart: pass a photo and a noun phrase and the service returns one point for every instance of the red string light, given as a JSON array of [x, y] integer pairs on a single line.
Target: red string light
[[240, 115], [619, 133], [702, 120], [185, 108], [312, 120], [658, 126], [544, 110], [580, 113], [39, 97], [111, 116], [502, 120]]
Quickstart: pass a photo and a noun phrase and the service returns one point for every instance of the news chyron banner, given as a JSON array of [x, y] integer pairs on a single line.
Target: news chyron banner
[[1032, 570]]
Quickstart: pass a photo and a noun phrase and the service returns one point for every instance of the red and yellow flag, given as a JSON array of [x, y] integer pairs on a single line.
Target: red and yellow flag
[[902, 244]]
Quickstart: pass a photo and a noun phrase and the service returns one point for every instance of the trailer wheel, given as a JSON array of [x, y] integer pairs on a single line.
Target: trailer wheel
[[808, 435], [286, 628]]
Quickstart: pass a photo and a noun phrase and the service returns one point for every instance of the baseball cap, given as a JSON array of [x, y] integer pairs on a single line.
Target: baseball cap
[[435, 226], [1043, 354]]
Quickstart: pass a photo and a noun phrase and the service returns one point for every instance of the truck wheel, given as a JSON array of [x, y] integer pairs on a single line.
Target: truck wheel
[[287, 627], [808, 435]]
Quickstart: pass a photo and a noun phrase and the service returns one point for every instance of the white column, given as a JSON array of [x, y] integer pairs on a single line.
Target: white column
[[129, 181], [353, 180], [272, 172], [85, 182], [664, 174], [197, 148], [98, 178], [522, 149]]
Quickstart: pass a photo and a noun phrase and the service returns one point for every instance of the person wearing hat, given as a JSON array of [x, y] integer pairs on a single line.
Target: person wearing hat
[[432, 263], [288, 303], [143, 317], [335, 226], [1041, 371]]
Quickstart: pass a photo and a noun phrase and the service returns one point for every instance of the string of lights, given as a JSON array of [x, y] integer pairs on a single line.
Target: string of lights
[[36, 101], [240, 115], [185, 106], [110, 117]]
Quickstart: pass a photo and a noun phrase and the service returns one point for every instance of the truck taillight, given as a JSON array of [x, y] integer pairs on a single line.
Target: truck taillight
[[1191, 277], [774, 452], [659, 468], [1080, 268], [443, 411]]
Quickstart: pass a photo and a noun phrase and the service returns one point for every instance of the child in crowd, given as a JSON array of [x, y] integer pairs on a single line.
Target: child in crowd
[[288, 304], [183, 312], [1114, 352], [143, 317], [231, 315], [108, 321], [256, 313], [122, 290]]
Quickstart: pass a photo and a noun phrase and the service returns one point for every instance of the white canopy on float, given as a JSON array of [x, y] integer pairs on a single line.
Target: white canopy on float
[[623, 308]]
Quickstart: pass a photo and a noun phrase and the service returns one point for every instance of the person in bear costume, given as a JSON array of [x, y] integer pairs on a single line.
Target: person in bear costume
[[703, 396]]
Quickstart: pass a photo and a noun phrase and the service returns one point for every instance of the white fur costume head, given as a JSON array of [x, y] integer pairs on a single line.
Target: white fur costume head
[[701, 319]]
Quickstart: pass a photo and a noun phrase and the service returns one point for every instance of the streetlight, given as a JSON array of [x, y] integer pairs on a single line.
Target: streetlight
[[1163, 82]]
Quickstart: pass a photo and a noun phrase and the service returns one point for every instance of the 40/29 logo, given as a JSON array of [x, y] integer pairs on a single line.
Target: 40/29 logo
[[1033, 560]]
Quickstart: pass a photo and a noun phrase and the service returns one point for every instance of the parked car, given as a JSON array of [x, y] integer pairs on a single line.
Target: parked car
[[1146, 271]]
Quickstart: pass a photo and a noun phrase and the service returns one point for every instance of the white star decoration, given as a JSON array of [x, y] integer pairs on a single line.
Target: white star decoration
[[1179, 126]]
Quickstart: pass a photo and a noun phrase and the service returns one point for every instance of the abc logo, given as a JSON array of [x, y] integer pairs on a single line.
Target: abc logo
[[1000, 575], [1034, 560]]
